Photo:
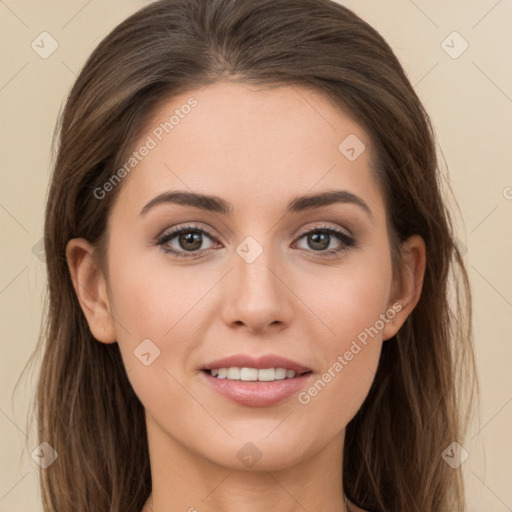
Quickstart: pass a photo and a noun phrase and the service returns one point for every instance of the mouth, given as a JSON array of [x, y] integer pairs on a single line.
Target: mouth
[[260, 381], [248, 374]]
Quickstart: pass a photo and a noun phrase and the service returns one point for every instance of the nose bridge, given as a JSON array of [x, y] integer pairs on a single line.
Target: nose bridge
[[253, 262], [257, 296]]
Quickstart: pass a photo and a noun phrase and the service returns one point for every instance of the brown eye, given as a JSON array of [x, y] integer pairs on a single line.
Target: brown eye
[[322, 238], [188, 241], [319, 241]]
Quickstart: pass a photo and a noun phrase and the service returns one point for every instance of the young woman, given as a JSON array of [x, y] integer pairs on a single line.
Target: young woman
[[256, 301]]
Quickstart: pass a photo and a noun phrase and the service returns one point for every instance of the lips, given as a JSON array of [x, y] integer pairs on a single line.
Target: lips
[[260, 362], [259, 393]]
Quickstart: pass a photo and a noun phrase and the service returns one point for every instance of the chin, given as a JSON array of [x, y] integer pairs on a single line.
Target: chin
[[257, 454]]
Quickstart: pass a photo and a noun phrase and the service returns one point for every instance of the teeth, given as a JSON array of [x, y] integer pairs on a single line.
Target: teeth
[[233, 373], [282, 373], [248, 374], [253, 374]]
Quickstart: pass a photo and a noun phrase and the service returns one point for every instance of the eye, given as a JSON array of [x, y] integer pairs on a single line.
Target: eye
[[321, 238], [188, 241], [188, 238]]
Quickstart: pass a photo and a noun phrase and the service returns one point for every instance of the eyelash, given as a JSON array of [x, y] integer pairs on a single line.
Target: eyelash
[[347, 241]]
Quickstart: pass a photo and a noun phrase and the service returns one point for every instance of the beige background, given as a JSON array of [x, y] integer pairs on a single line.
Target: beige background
[[469, 99]]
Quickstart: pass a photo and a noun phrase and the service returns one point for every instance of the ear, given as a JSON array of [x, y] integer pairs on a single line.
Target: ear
[[407, 290], [91, 289]]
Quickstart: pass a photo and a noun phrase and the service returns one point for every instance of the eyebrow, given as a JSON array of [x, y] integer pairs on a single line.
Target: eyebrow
[[218, 205]]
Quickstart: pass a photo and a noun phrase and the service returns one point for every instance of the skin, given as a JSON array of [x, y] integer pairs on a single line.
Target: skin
[[256, 148]]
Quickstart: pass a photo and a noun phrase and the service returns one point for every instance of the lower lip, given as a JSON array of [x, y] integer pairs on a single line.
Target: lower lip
[[256, 393]]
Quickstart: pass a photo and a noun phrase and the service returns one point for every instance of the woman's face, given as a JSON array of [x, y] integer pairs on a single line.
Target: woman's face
[[256, 272]]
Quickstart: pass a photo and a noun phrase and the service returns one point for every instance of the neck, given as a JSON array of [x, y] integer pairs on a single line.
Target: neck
[[184, 481]]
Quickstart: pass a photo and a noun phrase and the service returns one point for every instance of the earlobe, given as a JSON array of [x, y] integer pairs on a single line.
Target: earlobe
[[91, 290], [408, 292]]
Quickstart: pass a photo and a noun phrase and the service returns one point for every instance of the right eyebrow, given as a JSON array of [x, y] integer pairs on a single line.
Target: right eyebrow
[[205, 202]]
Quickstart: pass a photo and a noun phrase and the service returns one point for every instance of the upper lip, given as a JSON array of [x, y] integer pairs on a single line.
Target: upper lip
[[264, 361]]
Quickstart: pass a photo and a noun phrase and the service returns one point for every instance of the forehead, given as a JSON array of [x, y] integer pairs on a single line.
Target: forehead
[[245, 142]]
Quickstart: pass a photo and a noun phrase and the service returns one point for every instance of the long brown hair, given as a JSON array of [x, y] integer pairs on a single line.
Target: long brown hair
[[420, 399]]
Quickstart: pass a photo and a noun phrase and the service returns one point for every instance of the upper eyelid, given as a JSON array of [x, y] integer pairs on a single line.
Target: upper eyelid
[[174, 231], [206, 231], [323, 227]]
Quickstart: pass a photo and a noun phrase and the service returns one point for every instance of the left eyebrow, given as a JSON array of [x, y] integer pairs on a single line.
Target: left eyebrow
[[302, 203], [219, 205]]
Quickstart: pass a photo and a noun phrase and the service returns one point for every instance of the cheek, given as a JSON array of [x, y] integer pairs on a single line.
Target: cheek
[[154, 308], [150, 299], [351, 305], [161, 311], [337, 393], [351, 297], [350, 358]]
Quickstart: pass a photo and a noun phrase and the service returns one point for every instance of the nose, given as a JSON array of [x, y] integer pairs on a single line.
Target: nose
[[258, 295]]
